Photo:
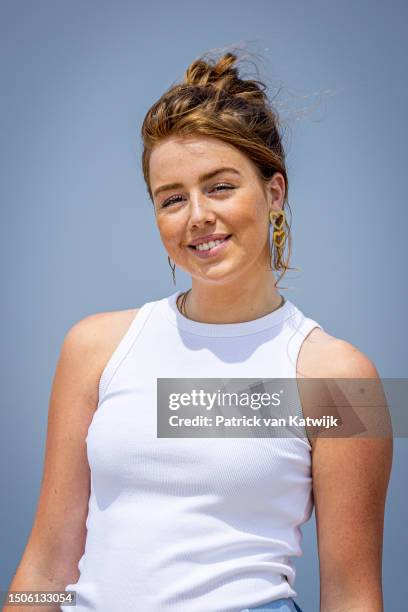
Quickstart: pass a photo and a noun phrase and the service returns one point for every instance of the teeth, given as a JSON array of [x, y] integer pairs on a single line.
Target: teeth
[[205, 246]]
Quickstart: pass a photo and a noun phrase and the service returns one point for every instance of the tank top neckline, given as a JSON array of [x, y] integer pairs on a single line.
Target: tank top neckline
[[244, 328]]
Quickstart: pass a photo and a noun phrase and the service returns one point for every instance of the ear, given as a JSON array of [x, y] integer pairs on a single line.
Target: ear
[[276, 190]]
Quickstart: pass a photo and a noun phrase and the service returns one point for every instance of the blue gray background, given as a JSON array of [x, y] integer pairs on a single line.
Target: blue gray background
[[78, 231]]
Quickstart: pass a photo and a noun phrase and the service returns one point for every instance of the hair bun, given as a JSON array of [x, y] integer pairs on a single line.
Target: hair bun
[[224, 77], [201, 72]]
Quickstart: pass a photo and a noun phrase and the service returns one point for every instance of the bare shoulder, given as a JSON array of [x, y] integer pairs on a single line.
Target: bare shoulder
[[100, 333], [90, 341], [88, 346], [94, 328], [325, 356]]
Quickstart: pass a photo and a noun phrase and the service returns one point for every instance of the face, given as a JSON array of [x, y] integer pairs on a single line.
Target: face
[[234, 203]]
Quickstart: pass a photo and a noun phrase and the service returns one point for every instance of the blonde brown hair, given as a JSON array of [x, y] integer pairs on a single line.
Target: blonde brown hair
[[213, 100]]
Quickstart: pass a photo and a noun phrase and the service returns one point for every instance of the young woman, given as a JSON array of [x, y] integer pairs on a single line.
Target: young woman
[[133, 521]]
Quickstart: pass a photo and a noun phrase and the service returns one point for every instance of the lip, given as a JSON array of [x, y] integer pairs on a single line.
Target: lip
[[207, 238], [211, 252]]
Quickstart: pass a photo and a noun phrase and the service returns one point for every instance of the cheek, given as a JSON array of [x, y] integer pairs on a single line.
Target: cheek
[[253, 229], [251, 218], [170, 233], [251, 208]]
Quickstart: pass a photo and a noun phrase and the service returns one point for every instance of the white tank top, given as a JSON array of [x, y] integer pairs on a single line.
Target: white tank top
[[192, 524]]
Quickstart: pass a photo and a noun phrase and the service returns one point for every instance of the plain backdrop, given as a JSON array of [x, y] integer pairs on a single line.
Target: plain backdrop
[[78, 230]]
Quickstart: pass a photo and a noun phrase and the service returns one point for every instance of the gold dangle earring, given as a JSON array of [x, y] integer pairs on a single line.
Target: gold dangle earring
[[277, 219], [173, 269]]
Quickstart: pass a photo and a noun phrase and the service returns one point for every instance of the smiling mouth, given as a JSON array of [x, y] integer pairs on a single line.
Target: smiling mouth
[[190, 246]]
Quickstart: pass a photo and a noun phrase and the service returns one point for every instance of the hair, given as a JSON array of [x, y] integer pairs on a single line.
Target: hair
[[213, 100]]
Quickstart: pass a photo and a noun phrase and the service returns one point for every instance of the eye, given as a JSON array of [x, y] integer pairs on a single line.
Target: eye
[[223, 185], [175, 198], [170, 200]]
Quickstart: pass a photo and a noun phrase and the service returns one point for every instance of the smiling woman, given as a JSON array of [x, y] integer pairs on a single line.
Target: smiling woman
[[187, 523], [222, 133]]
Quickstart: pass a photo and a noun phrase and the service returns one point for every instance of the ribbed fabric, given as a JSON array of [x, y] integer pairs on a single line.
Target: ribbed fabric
[[192, 524]]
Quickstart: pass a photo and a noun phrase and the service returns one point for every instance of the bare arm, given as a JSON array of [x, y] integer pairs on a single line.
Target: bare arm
[[350, 480], [57, 538]]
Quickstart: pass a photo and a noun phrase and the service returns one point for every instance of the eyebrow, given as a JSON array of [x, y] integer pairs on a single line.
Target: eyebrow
[[202, 178]]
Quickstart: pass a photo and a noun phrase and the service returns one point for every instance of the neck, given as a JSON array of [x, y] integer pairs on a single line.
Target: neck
[[222, 304]]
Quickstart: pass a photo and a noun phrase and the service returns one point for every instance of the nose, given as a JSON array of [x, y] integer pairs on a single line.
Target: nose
[[201, 211]]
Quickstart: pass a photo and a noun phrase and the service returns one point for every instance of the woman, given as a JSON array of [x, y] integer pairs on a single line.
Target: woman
[[204, 524]]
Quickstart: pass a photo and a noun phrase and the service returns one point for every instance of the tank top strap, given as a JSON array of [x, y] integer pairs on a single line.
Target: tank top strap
[[124, 347], [299, 327]]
